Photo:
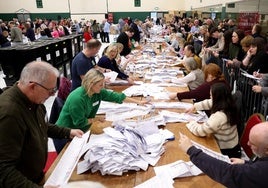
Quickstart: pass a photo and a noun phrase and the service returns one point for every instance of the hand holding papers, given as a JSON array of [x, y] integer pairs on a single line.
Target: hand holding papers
[[112, 75], [68, 161], [243, 72], [185, 143], [180, 168]]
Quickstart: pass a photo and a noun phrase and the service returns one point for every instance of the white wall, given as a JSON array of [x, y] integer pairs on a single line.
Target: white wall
[[240, 5], [205, 3], [250, 6], [51, 6], [146, 5], [88, 6], [90, 9], [85, 17]]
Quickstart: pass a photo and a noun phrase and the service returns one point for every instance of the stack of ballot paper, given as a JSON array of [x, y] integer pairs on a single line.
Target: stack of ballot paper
[[118, 82], [183, 117], [180, 105], [141, 121], [68, 161], [143, 90], [120, 149], [179, 169], [114, 107]]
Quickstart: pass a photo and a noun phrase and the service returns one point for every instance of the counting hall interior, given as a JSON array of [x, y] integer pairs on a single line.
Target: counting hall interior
[[135, 93]]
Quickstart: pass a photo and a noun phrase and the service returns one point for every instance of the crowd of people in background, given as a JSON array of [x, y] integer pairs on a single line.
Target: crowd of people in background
[[197, 42], [201, 44]]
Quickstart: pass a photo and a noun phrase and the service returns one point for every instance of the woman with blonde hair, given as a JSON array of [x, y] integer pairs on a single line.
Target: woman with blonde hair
[[82, 104], [108, 61], [212, 74]]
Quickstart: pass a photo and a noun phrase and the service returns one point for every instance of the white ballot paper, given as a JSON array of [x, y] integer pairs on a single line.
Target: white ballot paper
[[184, 169], [68, 161], [170, 116], [112, 75], [212, 153], [161, 181]]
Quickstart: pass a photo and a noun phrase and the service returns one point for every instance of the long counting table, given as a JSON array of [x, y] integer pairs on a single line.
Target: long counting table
[[172, 154]]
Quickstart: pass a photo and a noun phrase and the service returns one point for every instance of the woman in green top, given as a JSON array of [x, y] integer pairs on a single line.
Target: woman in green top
[[83, 103]]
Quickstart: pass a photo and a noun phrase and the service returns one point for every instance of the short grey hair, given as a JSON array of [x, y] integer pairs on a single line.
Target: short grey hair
[[90, 79], [191, 63], [37, 71]]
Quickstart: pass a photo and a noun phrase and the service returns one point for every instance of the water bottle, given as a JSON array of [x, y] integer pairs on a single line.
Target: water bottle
[[164, 54]]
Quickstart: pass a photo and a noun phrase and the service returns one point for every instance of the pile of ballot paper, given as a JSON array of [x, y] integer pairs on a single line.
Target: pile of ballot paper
[[121, 149]]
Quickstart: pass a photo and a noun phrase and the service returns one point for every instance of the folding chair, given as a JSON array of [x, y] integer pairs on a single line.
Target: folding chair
[[253, 120]]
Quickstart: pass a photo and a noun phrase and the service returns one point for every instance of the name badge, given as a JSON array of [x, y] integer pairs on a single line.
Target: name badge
[[96, 103]]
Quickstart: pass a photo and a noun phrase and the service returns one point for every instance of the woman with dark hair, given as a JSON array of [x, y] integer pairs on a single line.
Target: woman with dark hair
[[87, 33], [256, 58], [212, 74], [222, 122], [235, 53], [95, 29], [124, 38], [215, 34]]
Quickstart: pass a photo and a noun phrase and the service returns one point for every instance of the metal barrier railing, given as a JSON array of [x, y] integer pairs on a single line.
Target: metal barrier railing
[[251, 102]]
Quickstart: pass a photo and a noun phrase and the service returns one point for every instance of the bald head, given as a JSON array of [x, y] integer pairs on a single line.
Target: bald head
[[258, 139]]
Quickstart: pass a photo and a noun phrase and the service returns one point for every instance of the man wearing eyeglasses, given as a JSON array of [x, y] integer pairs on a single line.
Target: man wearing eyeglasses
[[24, 128]]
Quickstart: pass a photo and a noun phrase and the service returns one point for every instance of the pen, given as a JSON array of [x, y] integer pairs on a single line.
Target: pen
[[258, 71]]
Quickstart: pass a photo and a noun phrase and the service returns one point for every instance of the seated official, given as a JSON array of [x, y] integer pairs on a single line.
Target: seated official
[[194, 78], [124, 38], [82, 104], [239, 173], [222, 122], [108, 61], [213, 74]]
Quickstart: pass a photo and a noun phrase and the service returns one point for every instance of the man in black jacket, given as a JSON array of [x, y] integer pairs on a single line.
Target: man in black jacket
[[124, 38], [24, 128], [239, 173]]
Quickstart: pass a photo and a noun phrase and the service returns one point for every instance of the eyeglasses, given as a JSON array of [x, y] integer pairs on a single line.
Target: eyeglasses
[[51, 91]]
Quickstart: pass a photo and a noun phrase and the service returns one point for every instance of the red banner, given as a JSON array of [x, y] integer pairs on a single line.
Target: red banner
[[247, 20]]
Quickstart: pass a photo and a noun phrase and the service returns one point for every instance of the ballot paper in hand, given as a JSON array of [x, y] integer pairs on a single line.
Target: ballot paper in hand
[[212, 153], [184, 169], [68, 161], [112, 75], [178, 169]]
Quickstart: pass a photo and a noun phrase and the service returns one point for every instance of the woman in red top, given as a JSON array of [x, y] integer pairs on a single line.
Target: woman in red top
[[87, 33]]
